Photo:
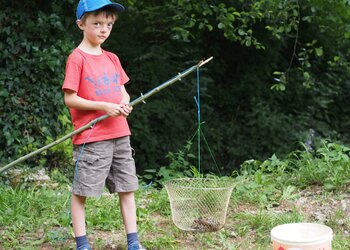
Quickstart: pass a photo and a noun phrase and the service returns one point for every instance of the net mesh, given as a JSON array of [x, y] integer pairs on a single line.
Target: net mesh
[[199, 204]]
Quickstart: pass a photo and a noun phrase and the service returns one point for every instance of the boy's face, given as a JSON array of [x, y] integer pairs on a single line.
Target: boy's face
[[96, 28]]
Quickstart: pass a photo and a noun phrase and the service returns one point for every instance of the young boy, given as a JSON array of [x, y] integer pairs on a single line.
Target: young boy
[[94, 86]]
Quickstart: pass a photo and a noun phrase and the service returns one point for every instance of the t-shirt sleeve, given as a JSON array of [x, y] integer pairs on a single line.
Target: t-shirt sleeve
[[123, 76], [72, 74]]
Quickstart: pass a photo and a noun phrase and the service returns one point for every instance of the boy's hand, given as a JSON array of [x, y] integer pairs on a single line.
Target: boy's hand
[[126, 108], [115, 110]]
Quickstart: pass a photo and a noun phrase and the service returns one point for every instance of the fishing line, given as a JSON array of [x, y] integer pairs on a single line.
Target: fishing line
[[208, 147], [198, 102], [211, 152], [199, 131]]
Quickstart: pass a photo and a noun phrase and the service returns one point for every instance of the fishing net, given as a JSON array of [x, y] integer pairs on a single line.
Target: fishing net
[[199, 204]]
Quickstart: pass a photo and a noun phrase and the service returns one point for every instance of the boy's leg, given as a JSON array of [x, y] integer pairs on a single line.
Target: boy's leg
[[78, 220], [78, 215], [122, 179], [92, 169], [128, 210]]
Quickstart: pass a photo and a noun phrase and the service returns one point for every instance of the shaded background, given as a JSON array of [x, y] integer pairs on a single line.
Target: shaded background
[[279, 78]]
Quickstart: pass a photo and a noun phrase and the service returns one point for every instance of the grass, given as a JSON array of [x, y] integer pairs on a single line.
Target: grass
[[303, 187]]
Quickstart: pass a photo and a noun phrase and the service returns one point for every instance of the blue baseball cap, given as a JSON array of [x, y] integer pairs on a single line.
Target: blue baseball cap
[[92, 5]]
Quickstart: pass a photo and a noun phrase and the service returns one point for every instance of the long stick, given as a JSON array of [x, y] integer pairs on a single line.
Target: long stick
[[138, 100]]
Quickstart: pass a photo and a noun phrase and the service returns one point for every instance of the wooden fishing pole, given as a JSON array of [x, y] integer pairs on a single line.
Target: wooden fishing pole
[[138, 100]]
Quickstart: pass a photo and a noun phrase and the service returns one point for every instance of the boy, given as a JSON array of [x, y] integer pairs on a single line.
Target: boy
[[93, 86]]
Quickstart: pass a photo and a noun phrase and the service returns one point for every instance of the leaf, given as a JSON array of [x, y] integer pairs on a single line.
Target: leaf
[[147, 176], [236, 13], [241, 32], [209, 27], [150, 170], [221, 26], [319, 51], [306, 75], [279, 87], [280, 29]]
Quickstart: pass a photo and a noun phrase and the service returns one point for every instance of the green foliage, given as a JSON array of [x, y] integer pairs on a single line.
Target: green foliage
[[102, 213], [34, 47], [25, 210], [179, 167], [327, 167], [257, 46], [297, 50], [233, 22], [274, 180], [277, 74]]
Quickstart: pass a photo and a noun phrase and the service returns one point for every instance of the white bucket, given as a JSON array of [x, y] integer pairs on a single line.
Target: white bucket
[[302, 236]]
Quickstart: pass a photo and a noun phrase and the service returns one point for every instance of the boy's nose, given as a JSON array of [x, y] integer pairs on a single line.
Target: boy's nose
[[103, 30]]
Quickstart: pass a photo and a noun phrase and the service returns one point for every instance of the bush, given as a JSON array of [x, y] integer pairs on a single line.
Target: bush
[[34, 46]]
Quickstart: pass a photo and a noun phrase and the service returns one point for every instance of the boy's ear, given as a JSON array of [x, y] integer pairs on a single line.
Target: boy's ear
[[80, 24]]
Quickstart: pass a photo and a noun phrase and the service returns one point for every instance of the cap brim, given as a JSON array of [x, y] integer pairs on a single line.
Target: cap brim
[[117, 6]]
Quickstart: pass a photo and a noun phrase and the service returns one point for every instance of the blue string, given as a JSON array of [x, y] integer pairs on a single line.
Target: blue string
[[199, 132], [81, 153], [198, 103], [148, 185]]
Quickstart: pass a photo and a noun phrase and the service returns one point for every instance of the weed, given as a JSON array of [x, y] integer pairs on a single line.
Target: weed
[[32, 216]]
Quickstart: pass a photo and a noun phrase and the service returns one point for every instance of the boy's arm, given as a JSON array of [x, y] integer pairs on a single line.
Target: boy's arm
[[125, 95], [125, 100], [72, 100]]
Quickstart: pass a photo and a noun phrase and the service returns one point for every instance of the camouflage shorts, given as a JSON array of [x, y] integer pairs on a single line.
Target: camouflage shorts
[[103, 163]]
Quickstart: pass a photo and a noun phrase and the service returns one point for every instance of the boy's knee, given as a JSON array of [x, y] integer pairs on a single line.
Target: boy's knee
[[126, 195], [131, 193], [78, 198]]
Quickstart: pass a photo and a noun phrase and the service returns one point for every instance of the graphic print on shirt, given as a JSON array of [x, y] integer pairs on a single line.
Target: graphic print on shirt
[[105, 85]]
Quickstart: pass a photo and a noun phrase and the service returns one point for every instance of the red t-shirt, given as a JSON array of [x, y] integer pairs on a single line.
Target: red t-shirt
[[96, 78]]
